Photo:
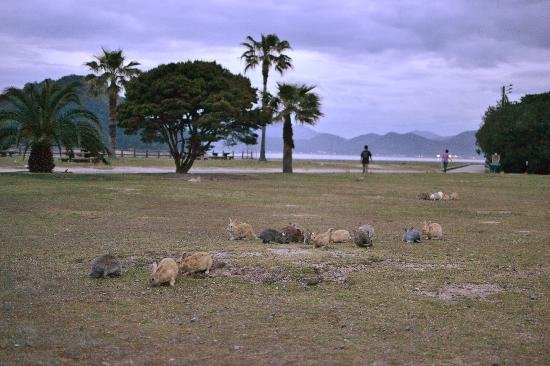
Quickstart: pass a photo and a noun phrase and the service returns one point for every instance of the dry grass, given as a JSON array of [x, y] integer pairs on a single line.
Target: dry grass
[[300, 306]]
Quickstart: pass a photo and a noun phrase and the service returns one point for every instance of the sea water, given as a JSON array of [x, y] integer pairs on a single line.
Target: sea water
[[375, 158]]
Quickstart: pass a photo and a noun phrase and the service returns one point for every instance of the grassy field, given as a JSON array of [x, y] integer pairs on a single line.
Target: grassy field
[[479, 296], [164, 162]]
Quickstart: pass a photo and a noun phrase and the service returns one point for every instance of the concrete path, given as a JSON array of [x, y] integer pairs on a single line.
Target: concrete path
[[152, 170], [473, 168], [373, 169]]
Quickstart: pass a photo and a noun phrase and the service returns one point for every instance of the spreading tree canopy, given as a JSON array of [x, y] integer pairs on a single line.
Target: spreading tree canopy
[[189, 106], [519, 132]]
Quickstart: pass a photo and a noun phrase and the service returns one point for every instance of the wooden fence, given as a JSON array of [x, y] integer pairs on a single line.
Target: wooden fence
[[135, 153]]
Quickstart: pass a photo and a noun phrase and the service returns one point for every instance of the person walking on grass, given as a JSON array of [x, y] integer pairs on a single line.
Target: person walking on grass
[[445, 159], [366, 157]]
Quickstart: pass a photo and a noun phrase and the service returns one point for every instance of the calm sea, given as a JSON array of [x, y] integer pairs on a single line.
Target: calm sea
[[375, 158]]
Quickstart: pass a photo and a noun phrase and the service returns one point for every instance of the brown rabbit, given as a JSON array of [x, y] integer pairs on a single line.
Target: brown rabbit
[[340, 236], [321, 239], [454, 196], [293, 233], [432, 230], [197, 262], [240, 231], [166, 271]]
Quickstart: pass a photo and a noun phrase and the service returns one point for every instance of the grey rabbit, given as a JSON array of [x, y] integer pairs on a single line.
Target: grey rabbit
[[269, 235], [105, 265], [411, 235], [364, 235], [423, 196]]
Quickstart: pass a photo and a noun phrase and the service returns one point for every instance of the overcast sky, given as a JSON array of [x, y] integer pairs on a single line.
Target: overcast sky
[[379, 66]]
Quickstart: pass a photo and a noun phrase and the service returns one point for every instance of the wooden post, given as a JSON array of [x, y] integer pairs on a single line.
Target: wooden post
[[134, 152], [146, 153], [159, 154], [121, 153]]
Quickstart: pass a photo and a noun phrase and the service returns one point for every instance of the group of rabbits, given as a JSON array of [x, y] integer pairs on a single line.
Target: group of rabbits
[[437, 196], [294, 233], [430, 230], [166, 271], [362, 236]]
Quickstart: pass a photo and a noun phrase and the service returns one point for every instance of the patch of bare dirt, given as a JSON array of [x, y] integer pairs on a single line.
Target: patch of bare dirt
[[339, 274], [420, 266], [254, 274], [339, 254], [290, 252], [456, 292]]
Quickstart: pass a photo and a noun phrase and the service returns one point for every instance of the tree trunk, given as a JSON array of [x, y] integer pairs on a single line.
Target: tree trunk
[[41, 158], [112, 124], [262, 146], [264, 92], [182, 169], [183, 164], [288, 144]]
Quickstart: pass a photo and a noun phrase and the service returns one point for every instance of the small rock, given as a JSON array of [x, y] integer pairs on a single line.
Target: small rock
[[407, 328], [236, 348], [194, 319]]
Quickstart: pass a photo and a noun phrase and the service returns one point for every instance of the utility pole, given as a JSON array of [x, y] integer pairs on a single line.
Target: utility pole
[[506, 89]]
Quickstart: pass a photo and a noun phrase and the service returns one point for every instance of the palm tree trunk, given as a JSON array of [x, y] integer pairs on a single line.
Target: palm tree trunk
[[264, 92], [288, 144], [112, 124], [41, 158]]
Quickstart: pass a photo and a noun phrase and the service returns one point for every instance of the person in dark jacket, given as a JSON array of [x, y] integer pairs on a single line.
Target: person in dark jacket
[[366, 157]]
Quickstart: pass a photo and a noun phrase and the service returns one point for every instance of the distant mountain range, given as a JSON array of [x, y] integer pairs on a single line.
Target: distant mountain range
[[307, 140], [415, 143]]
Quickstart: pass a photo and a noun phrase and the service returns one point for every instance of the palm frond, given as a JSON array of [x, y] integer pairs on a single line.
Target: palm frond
[[298, 100], [268, 51], [46, 114]]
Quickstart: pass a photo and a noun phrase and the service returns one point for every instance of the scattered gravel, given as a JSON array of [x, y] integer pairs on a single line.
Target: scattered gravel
[[455, 292]]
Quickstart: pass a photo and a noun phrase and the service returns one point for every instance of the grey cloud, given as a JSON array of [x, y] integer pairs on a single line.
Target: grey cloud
[[343, 27], [379, 65]]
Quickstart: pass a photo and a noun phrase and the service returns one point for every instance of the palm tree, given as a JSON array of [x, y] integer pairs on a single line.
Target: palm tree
[[269, 53], [112, 75], [295, 100], [46, 114]]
